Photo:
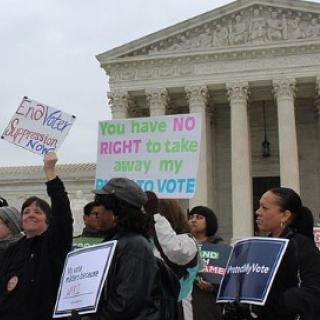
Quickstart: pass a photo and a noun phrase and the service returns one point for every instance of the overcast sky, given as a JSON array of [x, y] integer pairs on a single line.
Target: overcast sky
[[48, 50]]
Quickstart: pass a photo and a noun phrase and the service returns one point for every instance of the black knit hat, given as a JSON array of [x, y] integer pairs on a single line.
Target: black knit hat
[[211, 219]]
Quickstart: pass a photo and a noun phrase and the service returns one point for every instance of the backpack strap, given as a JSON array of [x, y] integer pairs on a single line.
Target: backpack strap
[[180, 271]]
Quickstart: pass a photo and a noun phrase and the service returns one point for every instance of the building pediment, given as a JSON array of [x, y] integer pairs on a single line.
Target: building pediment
[[243, 24]]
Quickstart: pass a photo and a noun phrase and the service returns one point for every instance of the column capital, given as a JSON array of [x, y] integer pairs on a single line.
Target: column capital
[[284, 88], [119, 103], [237, 91], [197, 95], [157, 99]]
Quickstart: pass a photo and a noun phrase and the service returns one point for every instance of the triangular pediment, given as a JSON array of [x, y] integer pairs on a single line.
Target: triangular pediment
[[241, 24]]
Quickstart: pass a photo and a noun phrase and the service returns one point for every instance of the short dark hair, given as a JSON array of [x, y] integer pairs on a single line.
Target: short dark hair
[[130, 218], [88, 208], [211, 219], [42, 204]]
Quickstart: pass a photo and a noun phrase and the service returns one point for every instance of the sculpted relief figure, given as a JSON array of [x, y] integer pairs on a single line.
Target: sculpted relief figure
[[238, 31], [294, 29], [276, 27], [313, 29], [257, 29], [183, 43], [220, 36], [205, 39]]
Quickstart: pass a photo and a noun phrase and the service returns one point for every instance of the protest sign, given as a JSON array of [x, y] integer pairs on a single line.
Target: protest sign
[[316, 233], [84, 273], [251, 268], [37, 127], [160, 154], [82, 242], [214, 258]]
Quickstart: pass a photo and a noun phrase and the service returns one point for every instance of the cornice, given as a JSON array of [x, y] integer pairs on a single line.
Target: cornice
[[36, 172], [189, 64]]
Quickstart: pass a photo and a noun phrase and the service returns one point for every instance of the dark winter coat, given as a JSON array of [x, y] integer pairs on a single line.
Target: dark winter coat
[[296, 287], [130, 292], [5, 244], [203, 301], [36, 264]]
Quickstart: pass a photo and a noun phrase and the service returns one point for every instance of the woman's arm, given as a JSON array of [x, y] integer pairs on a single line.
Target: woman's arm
[[178, 248], [60, 229]]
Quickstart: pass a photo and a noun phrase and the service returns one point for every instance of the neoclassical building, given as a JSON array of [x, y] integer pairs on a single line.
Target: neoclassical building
[[252, 69]]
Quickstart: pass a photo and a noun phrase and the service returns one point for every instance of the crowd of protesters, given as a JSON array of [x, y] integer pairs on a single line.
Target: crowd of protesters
[[155, 238]]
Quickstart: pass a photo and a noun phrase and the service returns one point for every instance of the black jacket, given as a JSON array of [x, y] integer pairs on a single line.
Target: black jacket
[[36, 263], [203, 301], [5, 244], [296, 287], [131, 290]]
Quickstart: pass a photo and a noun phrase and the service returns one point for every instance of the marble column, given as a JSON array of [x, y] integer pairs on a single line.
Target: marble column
[[197, 97], [317, 106], [157, 99], [241, 179], [317, 128], [119, 103], [284, 91]]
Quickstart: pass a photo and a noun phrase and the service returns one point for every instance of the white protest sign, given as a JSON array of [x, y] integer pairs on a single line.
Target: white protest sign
[[38, 127], [160, 154], [84, 274]]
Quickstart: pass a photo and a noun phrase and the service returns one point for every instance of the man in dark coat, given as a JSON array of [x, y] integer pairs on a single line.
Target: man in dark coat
[[130, 292]]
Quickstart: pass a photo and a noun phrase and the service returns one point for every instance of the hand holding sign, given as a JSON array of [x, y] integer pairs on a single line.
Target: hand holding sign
[[49, 167], [250, 271]]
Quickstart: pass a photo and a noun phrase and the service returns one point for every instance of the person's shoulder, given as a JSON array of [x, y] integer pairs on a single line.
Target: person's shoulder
[[134, 242], [303, 244]]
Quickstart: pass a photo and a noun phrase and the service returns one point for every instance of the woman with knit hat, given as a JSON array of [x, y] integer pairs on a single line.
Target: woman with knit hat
[[10, 228], [204, 226]]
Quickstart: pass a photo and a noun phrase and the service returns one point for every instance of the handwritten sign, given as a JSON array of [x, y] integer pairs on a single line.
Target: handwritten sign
[[84, 273], [214, 258], [38, 127], [160, 154], [251, 269]]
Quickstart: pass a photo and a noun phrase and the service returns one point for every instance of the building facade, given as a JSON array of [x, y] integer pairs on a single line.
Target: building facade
[[19, 183], [252, 69]]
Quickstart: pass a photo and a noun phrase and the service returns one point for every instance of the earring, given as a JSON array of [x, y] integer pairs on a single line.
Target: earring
[[282, 225]]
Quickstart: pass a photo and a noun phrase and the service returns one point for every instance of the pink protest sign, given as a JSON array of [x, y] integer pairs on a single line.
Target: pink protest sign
[[38, 127]]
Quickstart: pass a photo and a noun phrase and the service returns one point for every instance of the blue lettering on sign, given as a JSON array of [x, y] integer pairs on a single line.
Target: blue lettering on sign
[[54, 121], [38, 146], [100, 183], [183, 185]]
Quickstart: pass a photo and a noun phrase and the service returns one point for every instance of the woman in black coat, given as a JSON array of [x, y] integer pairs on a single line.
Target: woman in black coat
[[31, 269], [204, 226], [295, 292]]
